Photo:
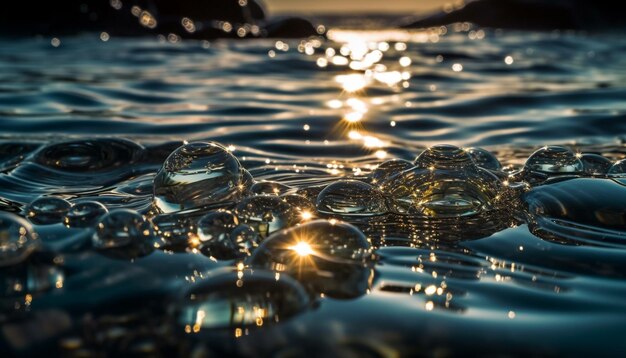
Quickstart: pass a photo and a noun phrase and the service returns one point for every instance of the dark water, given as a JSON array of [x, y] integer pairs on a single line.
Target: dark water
[[448, 256]]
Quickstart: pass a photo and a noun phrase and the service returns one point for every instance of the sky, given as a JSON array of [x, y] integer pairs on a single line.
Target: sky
[[345, 6]]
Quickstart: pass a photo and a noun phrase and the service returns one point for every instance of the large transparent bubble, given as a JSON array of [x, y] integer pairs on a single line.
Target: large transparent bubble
[[445, 183], [326, 255], [351, 197], [17, 239], [195, 175], [240, 298]]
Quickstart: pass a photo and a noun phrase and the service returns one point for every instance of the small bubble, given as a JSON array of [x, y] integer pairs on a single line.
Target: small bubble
[[47, 210], [84, 214], [485, 159], [508, 60], [618, 169], [390, 168], [595, 164], [124, 229], [222, 237], [55, 42], [457, 67], [17, 239], [266, 214], [269, 188], [351, 197], [553, 160], [256, 299]]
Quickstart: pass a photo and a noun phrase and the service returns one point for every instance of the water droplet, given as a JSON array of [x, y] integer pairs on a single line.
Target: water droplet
[[269, 188], [47, 210], [237, 299], [351, 197], [17, 239], [266, 214], [123, 231], [553, 160], [389, 168], [445, 183], [618, 169], [222, 237], [327, 256], [485, 159], [595, 164], [84, 214], [197, 174]]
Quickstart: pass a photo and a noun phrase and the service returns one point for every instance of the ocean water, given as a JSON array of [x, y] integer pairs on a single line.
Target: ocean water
[[455, 253]]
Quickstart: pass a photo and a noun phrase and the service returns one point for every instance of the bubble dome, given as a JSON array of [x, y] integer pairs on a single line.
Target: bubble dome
[[197, 174], [444, 183], [123, 229], [17, 239], [554, 160], [47, 210], [351, 197]]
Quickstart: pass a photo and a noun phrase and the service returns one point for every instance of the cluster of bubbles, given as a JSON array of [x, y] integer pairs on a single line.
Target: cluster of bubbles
[[286, 245]]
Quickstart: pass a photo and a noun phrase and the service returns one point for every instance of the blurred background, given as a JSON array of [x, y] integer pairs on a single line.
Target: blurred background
[[352, 6]]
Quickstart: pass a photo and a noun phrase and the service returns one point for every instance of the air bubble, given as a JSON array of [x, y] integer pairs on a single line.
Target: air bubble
[[124, 231], [84, 214], [618, 169], [267, 214], [269, 188], [485, 159], [595, 164], [222, 237], [197, 174], [388, 169], [237, 299], [445, 183], [443, 156], [553, 160], [351, 197], [17, 239], [328, 256], [47, 210]]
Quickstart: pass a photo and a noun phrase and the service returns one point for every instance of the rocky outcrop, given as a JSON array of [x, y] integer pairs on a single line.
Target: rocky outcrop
[[534, 15], [205, 19]]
